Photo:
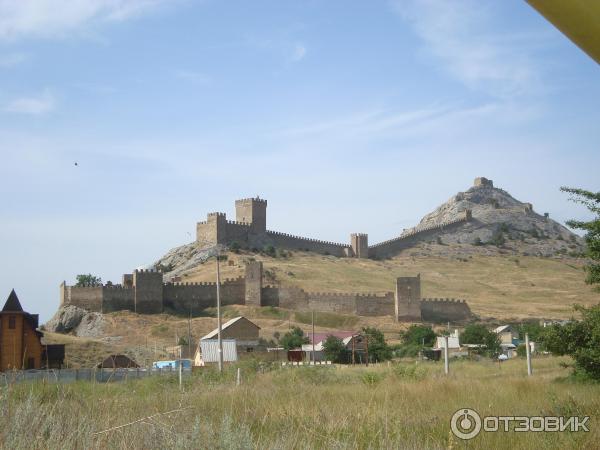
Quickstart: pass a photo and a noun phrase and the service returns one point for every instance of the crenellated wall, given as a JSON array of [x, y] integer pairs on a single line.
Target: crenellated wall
[[289, 241], [118, 298], [444, 310], [414, 236], [149, 295]]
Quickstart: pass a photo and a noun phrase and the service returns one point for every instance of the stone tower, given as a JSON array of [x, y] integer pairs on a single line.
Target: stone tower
[[408, 299], [148, 286], [483, 182], [252, 211], [253, 292], [360, 245]]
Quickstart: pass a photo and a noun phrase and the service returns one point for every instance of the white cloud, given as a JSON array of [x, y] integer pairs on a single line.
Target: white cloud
[[299, 52], [12, 60], [41, 104], [461, 34], [19, 18]]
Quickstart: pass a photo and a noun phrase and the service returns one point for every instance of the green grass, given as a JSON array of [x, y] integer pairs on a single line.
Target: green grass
[[403, 405], [327, 319]]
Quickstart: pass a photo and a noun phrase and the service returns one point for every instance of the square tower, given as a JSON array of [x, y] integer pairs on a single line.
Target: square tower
[[360, 245], [252, 211], [254, 271], [408, 298], [148, 296]]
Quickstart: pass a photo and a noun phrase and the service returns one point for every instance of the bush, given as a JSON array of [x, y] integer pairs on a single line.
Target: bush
[[477, 241], [479, 334], [293, 339], [497, 239], [335, 350], [235, 247], [372, 378], [269, 250], [578, 339], [421, 335], [85, 280], [409, 372]]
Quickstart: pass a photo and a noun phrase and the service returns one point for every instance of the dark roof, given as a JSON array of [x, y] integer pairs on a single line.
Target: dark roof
[[118, 361], [12, 303]]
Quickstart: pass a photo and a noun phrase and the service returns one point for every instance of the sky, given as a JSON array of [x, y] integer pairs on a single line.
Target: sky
[[347, 115]]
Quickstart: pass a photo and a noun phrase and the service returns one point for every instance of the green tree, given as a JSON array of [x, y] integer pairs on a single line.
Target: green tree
[[88, 280], [479, 334], [579, 339], [497, 239], [293, 339], [421, 335], [335, 350], [379, 350], [591, 200]]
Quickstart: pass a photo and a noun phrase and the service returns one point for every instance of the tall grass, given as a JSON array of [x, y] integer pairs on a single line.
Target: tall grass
[[403, 405]]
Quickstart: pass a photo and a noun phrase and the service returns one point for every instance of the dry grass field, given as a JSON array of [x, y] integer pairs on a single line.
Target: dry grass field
[[503, 287], [401, 405]]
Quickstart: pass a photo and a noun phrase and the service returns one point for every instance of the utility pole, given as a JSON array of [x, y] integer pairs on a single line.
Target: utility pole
[[219, 341], [190, 335], [353, 339], [528, 349], [446, 367], [313, 337], [367, 348]]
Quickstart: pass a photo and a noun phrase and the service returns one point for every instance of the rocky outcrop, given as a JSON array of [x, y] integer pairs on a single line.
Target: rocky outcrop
[[77, 321]]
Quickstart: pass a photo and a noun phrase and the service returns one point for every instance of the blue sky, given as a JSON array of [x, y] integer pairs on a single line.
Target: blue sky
[[348, 116]]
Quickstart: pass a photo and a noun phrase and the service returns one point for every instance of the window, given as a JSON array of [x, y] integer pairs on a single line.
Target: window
[[12, 322], [249, 350]]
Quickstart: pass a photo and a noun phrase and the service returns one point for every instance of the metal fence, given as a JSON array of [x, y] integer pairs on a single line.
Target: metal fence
[[94, 375]]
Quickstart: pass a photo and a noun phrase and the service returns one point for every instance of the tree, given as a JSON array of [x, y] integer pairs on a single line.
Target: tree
[[378, 348], [591, 200], [293, 339], [335, 350], [419, 335], [88, 280], [579, 339], [480, 335]]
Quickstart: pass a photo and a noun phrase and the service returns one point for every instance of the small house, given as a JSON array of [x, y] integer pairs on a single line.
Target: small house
[[245, 333], [21, 342], [507, 334], [208, 351]]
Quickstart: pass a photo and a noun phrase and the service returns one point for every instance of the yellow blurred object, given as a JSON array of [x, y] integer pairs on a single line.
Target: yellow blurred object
[[579, 20]]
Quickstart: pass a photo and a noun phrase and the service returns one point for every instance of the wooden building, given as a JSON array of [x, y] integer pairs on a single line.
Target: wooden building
[[20, 341]]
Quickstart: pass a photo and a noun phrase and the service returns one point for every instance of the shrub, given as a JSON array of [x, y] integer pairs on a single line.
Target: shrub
[[409, 372], [270, 251], [372, 378], [293, 339], [497, 239], [335, 350], [88, 280], [235, 247], [477, 241], [419, 335]]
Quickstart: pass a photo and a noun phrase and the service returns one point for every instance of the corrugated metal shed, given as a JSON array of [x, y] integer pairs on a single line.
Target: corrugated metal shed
[[210, 354]]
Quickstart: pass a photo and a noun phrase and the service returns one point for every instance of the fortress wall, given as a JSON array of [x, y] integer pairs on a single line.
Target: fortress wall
[[118, 298], [292, 298], [412, 237], [332, 302], [237, 231], [375, 304], [148, 291], [183, 297], [444, 310], [89, 298], [284, 240], [270, 296]]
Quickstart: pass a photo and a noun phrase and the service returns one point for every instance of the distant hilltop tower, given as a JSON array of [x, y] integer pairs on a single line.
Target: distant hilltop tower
[[483, 182]]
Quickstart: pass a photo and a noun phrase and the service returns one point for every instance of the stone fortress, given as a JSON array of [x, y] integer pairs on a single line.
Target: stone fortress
[[250, 230], [143, 291]]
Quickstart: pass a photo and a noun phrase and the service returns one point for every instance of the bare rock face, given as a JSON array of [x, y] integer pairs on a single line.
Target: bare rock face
[[498, 217], [75, 320]]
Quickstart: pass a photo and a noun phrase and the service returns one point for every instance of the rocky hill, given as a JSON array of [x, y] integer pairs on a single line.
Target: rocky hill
[[501, 222], [500, 225]]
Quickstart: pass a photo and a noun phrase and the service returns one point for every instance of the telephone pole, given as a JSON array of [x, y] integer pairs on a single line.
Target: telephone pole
[[314, 359], [528, 350], [219, 340]]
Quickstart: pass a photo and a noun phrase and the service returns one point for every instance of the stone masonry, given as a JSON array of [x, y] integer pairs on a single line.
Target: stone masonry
[[149, 295], [250, 230]]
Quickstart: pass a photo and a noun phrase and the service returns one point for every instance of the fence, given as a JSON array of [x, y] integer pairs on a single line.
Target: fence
[[97, 375]]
